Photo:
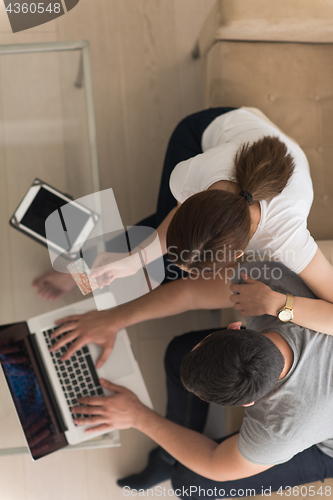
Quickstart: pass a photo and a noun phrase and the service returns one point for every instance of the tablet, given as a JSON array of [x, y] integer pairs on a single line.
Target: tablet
[[72, 223]]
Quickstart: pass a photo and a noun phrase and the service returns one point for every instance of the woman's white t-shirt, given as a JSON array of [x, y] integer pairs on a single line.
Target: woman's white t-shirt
[[282, 232]]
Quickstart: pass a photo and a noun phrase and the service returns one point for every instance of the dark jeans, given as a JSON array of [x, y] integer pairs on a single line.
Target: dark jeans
[[189, 411], [185, 142]]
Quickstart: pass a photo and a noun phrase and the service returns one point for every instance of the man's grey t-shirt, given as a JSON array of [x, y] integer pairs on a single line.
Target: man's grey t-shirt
[[298, 413]]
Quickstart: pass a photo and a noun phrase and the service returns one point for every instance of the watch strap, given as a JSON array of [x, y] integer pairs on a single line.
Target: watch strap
[[289, 301]]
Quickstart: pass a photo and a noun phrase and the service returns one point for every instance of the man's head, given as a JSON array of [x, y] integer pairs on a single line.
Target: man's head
[[232, 367]]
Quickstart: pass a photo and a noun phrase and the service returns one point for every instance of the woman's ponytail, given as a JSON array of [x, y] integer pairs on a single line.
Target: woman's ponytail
[[214, 226], [263, 168]]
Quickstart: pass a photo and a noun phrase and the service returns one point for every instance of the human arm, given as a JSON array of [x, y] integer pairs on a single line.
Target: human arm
[[256, 298], [219, 462], [108, 266], [311, 313], [182, 295]]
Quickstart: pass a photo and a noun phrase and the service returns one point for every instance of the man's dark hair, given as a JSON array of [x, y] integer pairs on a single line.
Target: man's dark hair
[[232, 367]]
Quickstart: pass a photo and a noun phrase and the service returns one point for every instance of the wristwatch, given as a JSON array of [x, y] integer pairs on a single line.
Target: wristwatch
[[287, 313]]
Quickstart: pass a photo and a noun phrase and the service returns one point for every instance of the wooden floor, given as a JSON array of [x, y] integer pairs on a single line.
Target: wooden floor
[[144, 82]]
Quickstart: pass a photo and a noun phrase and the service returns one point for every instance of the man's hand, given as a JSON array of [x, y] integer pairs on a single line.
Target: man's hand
[[99, 327], [255, 298], [119, 411]]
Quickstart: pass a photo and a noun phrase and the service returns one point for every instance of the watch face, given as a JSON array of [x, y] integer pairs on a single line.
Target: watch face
[[286, 315]]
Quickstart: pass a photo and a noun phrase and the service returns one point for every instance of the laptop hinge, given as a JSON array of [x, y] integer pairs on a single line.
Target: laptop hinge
[[53, 402]]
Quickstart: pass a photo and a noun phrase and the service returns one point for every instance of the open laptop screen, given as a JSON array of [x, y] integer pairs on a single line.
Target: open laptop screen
[[29, 391]]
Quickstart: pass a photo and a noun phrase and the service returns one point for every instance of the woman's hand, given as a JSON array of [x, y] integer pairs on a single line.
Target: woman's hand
[[255, 298], [100, 327], [109, 266], [119, 411]]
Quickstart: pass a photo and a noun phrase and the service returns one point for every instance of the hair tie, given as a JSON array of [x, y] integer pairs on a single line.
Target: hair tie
[[248, 196]]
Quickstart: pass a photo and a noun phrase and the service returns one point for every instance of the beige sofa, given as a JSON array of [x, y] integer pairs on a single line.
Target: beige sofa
[[278, 56]]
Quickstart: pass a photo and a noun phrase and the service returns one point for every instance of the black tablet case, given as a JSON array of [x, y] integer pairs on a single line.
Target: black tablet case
[[15, 224]]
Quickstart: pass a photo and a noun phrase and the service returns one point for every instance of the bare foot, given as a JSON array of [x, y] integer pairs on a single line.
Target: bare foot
[[53, 285]]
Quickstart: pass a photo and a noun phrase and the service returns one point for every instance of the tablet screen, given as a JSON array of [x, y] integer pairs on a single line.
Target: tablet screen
[[42, 206]]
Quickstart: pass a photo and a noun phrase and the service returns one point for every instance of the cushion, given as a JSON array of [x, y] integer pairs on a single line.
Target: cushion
[[285, 20], [292, 84]]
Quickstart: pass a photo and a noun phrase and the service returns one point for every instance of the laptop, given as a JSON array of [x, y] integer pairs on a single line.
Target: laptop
[[43, 388]]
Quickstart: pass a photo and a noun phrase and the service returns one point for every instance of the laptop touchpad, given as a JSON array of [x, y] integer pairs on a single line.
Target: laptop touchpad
[[119, 363]]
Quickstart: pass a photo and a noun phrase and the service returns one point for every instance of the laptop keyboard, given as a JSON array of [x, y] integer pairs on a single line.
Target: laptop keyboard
[[77, 375]]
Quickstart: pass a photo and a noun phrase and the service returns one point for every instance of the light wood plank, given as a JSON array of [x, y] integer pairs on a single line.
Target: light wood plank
[[105, 38], [12, 478], [190, 70], [144, 83], [60, 475], [6, 263]]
